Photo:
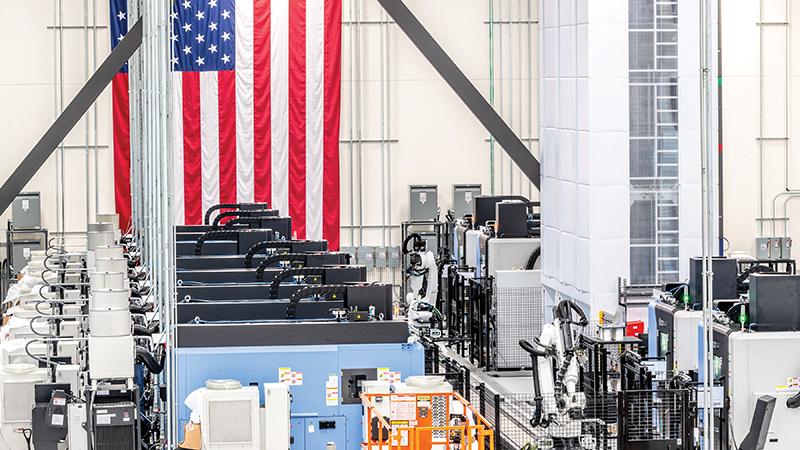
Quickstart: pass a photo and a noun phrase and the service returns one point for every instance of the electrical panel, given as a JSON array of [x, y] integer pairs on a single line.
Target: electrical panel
[[423, 202]]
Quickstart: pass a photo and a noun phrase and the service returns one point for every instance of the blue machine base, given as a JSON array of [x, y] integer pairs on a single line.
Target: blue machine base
[[315, 421]]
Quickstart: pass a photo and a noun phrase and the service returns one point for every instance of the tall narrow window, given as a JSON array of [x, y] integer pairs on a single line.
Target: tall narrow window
[[653, 109]]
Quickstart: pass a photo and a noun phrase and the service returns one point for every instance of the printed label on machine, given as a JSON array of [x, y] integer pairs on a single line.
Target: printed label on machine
[[58, 420], [332, 391], [287, 376], [384, 374], [403, 409]]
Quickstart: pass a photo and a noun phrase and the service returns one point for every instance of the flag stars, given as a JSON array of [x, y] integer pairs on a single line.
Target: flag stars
[[187, 4], [174, 60], [226, 59], [226, 36], [119, 38], [212, 3], [212, 48], [200, 38], [212, 26], [173, 15], [187, 27], [226, 14], [200, 61], [121, 16], [173, 38], [200, 15], [187, 50]]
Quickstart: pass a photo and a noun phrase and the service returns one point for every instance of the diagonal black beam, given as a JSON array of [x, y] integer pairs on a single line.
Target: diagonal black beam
[[70, 116], [465, 90]]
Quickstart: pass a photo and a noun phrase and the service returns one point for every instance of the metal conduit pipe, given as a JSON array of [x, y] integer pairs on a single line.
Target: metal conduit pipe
[[491, 92]]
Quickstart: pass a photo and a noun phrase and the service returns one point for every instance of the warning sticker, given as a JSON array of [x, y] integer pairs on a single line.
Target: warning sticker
[[793, 382], [384, 374], [332, 391], [287, 376], [403, 409]]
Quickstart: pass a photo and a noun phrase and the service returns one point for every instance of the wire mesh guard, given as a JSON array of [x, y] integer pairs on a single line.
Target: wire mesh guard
[[655, 416], [577, 428], [519, 314], [424, 421], [611, 421]]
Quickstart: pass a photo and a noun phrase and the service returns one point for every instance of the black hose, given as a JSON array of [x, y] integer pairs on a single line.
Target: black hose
[[759, 268], [533, 259], [144, 356], [535, 353], [793, 402], [141, 330]]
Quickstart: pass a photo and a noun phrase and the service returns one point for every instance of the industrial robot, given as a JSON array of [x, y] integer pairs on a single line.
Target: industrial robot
[[423, 286], [558, 406]]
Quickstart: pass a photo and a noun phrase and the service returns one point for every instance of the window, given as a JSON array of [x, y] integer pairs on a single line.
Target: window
[[653, 110]]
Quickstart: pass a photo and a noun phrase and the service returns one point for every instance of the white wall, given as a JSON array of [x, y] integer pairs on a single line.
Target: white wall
[[745, 108], [438, 139], [28, 89]]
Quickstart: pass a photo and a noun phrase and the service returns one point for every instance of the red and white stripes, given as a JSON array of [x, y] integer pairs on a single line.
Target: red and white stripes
[[269, 130]]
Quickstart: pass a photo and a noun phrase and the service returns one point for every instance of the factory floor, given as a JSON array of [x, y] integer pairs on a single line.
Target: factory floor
[[503, 382]]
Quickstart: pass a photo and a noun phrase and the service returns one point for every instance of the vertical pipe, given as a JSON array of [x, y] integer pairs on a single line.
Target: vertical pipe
[[707, 219], [56, 108], [520, 177], [760, 138], [510, 90], [359, 120], [491, 92], [86, 118], [530, 90], [350, 149], [382, 77], [61, 156], [500, 75], [94, 114], [388, 125], [720, 166]]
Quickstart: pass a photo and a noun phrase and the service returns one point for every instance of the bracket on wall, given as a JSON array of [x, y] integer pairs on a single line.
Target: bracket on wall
[[465, 90], [70, 116]]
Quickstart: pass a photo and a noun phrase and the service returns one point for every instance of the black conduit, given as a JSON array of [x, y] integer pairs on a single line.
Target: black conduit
[[144, 356]]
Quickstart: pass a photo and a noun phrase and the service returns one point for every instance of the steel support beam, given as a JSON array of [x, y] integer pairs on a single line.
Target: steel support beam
[[465, 90], [70, 116]]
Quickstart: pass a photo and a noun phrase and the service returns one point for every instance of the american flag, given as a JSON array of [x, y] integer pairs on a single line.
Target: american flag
[[256, 109]]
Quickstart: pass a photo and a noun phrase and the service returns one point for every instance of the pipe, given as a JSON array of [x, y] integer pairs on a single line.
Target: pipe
[[86, 119], [359, 116], [94, 111], [350, 149], [530, 90], [491, 92], [500, 102], [706, 136]]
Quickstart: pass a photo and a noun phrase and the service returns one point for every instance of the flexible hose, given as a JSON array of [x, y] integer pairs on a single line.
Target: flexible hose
[[533, 259], [144, 356]]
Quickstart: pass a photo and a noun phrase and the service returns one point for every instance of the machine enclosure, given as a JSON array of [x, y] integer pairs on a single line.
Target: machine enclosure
[[762, 363], [725, 273], [775, 301]]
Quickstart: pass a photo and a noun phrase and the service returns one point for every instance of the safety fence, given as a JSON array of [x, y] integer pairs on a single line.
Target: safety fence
[[619, 420]]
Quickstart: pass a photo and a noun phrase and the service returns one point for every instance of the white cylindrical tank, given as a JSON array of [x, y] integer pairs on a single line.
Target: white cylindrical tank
[[108, 280]]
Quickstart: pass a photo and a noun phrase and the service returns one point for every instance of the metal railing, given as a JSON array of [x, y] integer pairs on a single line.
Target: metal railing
[[423, 421]]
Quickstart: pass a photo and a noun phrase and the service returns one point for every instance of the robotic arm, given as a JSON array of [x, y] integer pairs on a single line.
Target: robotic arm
[[557, 404], [423, 282]]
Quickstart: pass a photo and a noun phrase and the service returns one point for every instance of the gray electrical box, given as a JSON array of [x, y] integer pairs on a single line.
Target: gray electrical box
[[424, 202], [463, 198], [26, 211], [21, 253]]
